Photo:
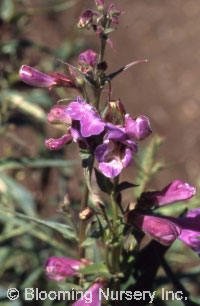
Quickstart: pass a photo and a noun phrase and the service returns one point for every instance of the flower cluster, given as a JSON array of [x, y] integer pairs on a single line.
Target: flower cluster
[[167, 229], [113, 145]]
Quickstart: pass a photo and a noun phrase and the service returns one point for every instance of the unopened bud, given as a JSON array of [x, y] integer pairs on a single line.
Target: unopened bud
[[86, 214], [33, 77], [86, 19], [114, 13], [100, 5], [57, 144]]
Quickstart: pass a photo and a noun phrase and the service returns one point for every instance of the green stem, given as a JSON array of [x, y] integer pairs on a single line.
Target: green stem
[[83, 224]]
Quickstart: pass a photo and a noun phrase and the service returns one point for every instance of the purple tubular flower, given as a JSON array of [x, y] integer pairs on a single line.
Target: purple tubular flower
[[174, 192], [34, 77], [161, 229], [57, 144], [190, 229], [86, 18], [116, 152], [139, 128], [88, 58], [91, 297], [60, 268], [90, 121]]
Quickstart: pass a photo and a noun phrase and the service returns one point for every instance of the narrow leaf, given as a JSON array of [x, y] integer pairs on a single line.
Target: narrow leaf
[[103, 182]]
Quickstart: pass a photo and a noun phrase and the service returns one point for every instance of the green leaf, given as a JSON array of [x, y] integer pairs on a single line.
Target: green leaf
[[65, 230], [103, 182], [17, 163], [32, 278], [83, 76], [147, 166], [98, 269], [17, 194], [88, 242], [125, 185]]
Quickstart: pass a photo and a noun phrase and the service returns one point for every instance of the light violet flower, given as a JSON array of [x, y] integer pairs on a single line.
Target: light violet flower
[[90, 121], [88, 58], [91, 297], [161, 229], [174, 192], [190, 229], [57, 144], [116, 152], [139, 128], [86, 18], [60, 268], [33, 77]]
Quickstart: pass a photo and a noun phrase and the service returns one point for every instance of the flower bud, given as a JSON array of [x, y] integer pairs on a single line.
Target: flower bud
[[139, 128], [160, 229], [86, 214], [34, 77], [88, 58], [60, 268], [114, 13], [57, 144], [174, 192], [86, 19], [115, 112], [58, 115], [100, 4]]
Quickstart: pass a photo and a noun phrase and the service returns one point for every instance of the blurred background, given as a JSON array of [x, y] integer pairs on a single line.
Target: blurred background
[[166, 89]]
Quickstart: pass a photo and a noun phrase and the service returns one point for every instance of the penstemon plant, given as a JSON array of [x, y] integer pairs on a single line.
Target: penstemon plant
[[108, 136]]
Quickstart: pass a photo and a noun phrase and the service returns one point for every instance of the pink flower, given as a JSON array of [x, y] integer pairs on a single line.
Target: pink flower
[[139, 128], [88, 58], [174, 192], [33, 77], [60, 268], [160, 229], [91, 297]]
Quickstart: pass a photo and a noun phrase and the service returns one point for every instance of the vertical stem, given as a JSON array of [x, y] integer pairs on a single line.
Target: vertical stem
[[83, 224]]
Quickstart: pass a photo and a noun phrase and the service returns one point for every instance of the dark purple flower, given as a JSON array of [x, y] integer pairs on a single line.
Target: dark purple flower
[[91, 297], [190, 229], [174, 192], [60, 268], [116, 152], [33, 77], [88, 58], [114, 13], [86, 18], [57, 144], [139, 128], [161, 229]]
